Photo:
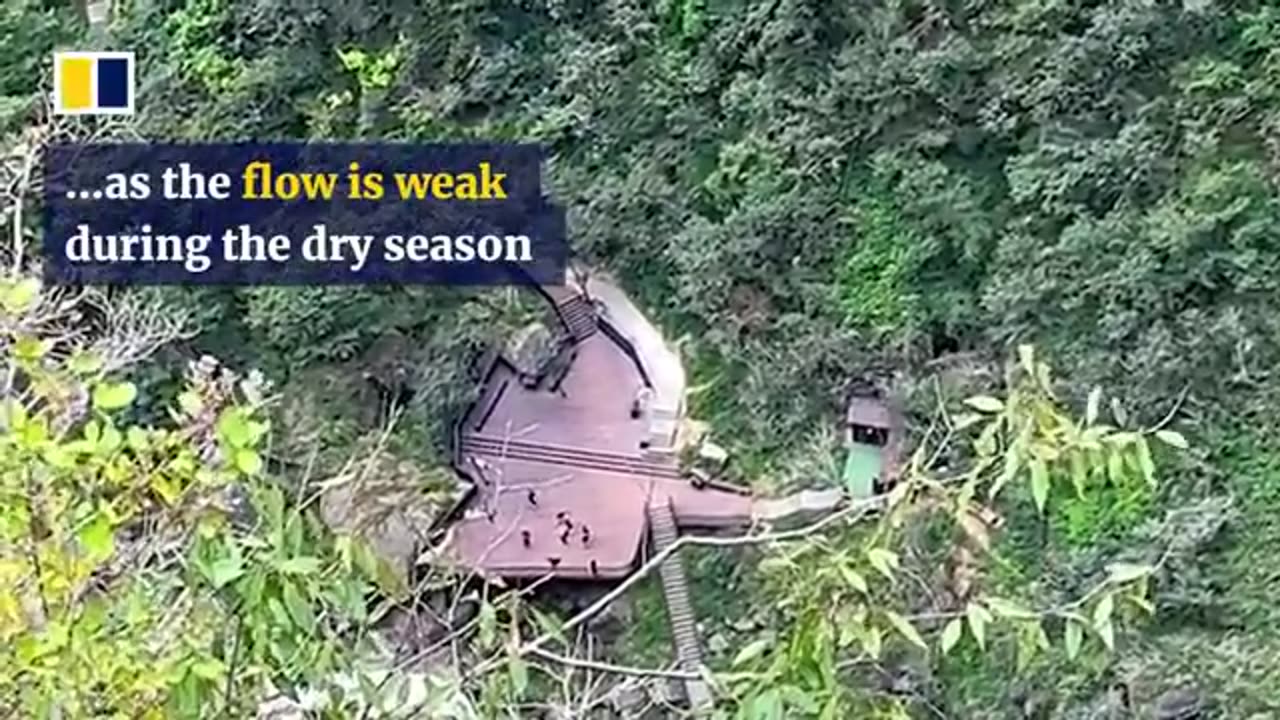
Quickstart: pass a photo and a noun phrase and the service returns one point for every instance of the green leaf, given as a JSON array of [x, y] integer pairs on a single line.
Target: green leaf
[[985, 445], [1039, 483], [1126, 572], [109, 396], [906, 629], [1115, 467], [1027, 357], [292, 536], [1031, 642], [256, 431], [165, 487], [872, 641], [1092, 405], [751, 651], [97, 538], [110, 440], [1121, 439], [21, 295], [487, 631], [1079, 475], [1118, 412], [233, 427], [1172, 438], [766, 706], [60, 457], [978, 618], [1012, 461], [225, 570], [136, 438], [985, 403], [1073, 637], [854, 578], [1142, 604], [248, 461], [13, 413], [190, 402], [548, 623], [1142, 453], [884, 561], [1102, 611], [299, 609], [799, 701], [210, 668], [518, 672], [951, 635], [83, 362], [1106, 632], [280, 615], [304, 565], [29, 348], [253, 590], [1009, 609]]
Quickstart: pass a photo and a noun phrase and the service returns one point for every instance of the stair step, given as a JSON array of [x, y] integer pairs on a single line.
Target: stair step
[[549, 447], [568, 455], [578, 316], [681, 593], [559, 455], [581, 462]]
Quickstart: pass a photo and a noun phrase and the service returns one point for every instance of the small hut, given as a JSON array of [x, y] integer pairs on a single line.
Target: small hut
[[873, 430]]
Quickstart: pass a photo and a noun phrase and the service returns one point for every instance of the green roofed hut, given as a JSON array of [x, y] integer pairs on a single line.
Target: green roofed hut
[[873, 438]]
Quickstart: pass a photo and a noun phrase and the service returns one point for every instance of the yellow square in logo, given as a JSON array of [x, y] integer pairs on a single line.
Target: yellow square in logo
[[93, 83], [76, 87]]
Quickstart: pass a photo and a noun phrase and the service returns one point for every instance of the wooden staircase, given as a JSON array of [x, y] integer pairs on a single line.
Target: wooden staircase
[[579, 316], [675, 587]]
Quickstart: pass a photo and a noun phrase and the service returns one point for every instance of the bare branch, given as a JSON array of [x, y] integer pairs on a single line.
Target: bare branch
[[135, 326]]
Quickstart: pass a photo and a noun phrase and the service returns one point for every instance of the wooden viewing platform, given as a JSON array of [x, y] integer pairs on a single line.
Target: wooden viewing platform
[[564, 477]]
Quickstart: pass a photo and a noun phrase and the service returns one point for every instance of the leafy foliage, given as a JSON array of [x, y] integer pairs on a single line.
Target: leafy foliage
[[134, 584], [838, 595]]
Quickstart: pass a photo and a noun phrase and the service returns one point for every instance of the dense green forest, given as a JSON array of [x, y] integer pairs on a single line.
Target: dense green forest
[[805, 194]]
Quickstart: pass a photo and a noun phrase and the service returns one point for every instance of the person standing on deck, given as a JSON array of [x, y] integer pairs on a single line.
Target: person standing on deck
[[640, 403]]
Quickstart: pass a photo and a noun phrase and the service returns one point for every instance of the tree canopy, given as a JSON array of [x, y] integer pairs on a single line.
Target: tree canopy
[[805, 195]]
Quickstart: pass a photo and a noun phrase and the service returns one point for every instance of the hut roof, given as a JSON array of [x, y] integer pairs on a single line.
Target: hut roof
[[868, 412]]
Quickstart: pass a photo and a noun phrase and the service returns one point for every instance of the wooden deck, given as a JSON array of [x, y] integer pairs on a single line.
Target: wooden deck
[[562, 483]]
